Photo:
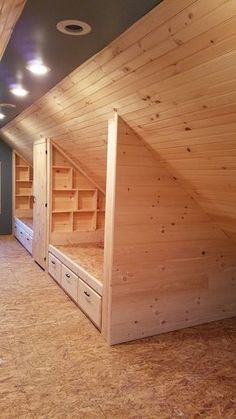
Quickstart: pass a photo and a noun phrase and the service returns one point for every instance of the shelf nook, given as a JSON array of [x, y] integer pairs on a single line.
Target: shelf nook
[[77, 205], [23, 201], [76, 249]]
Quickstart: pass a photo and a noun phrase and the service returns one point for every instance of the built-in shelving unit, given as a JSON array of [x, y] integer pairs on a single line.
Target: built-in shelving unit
[[23, 188], [76, 204], [23, 201]]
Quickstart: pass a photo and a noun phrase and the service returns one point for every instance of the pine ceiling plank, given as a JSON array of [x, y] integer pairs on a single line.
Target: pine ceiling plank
[[172, 78], [76, 97], [10, 11]]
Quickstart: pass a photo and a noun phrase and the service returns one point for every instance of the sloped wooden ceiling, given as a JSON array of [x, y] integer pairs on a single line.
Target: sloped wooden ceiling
[[10, 11], [171, 77]]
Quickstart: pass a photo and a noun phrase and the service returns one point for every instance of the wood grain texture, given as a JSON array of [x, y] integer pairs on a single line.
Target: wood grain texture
[[22, 187], [10, 11], [76, 203], [171, 266], [55, 364], [40, 207], [88, 256], [171, 76]]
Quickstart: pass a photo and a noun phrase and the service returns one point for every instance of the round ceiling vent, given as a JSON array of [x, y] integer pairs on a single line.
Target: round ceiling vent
[[73, 27]]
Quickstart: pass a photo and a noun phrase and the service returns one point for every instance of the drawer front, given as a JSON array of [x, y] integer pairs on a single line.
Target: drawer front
[[28, 243], [69, 281], [16, 231], [90, 302], [54, 267], [21, 236]]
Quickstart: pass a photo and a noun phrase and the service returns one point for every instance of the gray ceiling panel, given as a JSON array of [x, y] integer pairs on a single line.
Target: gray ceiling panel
[[36, 35]]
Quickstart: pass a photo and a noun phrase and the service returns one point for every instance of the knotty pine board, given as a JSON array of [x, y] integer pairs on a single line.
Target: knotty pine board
[[167, 265], [171, 76], [10, 11]]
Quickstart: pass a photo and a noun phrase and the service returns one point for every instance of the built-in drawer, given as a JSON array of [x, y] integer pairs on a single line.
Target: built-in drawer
[[28, 243], [16, 231], [54, 267], [21, 236], [90, 302], [69, 281]]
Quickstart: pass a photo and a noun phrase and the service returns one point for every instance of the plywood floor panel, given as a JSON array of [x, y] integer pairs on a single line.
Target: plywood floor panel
[[55, 364]]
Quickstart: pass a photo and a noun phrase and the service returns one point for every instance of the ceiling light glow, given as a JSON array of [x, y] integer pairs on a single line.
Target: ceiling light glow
[[38, 68], [2, 116], [19, 91]]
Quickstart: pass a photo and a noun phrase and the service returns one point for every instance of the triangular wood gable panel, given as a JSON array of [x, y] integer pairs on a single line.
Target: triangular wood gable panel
[[167, 265]]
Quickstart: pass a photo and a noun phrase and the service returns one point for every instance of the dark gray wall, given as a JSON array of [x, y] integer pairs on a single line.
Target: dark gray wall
[[6, 188]]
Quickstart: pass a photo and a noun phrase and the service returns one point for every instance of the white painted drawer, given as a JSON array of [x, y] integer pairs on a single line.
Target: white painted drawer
[[21, 236], [90, 302], [16, 231], [69, 281], [28, 243], [54, 267]]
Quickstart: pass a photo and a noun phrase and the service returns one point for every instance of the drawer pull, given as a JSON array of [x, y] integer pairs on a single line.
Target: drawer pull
[[21, 232], [52, 261], [86, 293], [27, 239], [67, 275]]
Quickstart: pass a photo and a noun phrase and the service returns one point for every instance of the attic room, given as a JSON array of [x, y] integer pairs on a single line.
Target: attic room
[[117, 209]]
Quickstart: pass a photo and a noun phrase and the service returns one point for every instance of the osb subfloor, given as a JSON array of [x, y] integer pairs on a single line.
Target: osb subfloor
[[54, 363], [89, 256], [27, 221]]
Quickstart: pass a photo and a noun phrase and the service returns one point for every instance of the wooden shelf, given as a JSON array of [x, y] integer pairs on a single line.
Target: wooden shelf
[[72, 211], [64, 190], [24, 181], [85, 210], [62, 211], [61, 167], [86, 190], [26, 194]]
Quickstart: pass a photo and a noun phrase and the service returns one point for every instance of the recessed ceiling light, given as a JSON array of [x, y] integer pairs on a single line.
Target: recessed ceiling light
[[19, 91], [2, 116], [74, 27], [38, 68]]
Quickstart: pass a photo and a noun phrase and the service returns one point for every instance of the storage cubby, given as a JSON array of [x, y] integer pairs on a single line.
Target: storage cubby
[[80, 181], [24, 188], [84, 220], [64, 200], [58, 159], [62, 221], [62, 178], [22, 173], [22, 202], [87, 199]]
